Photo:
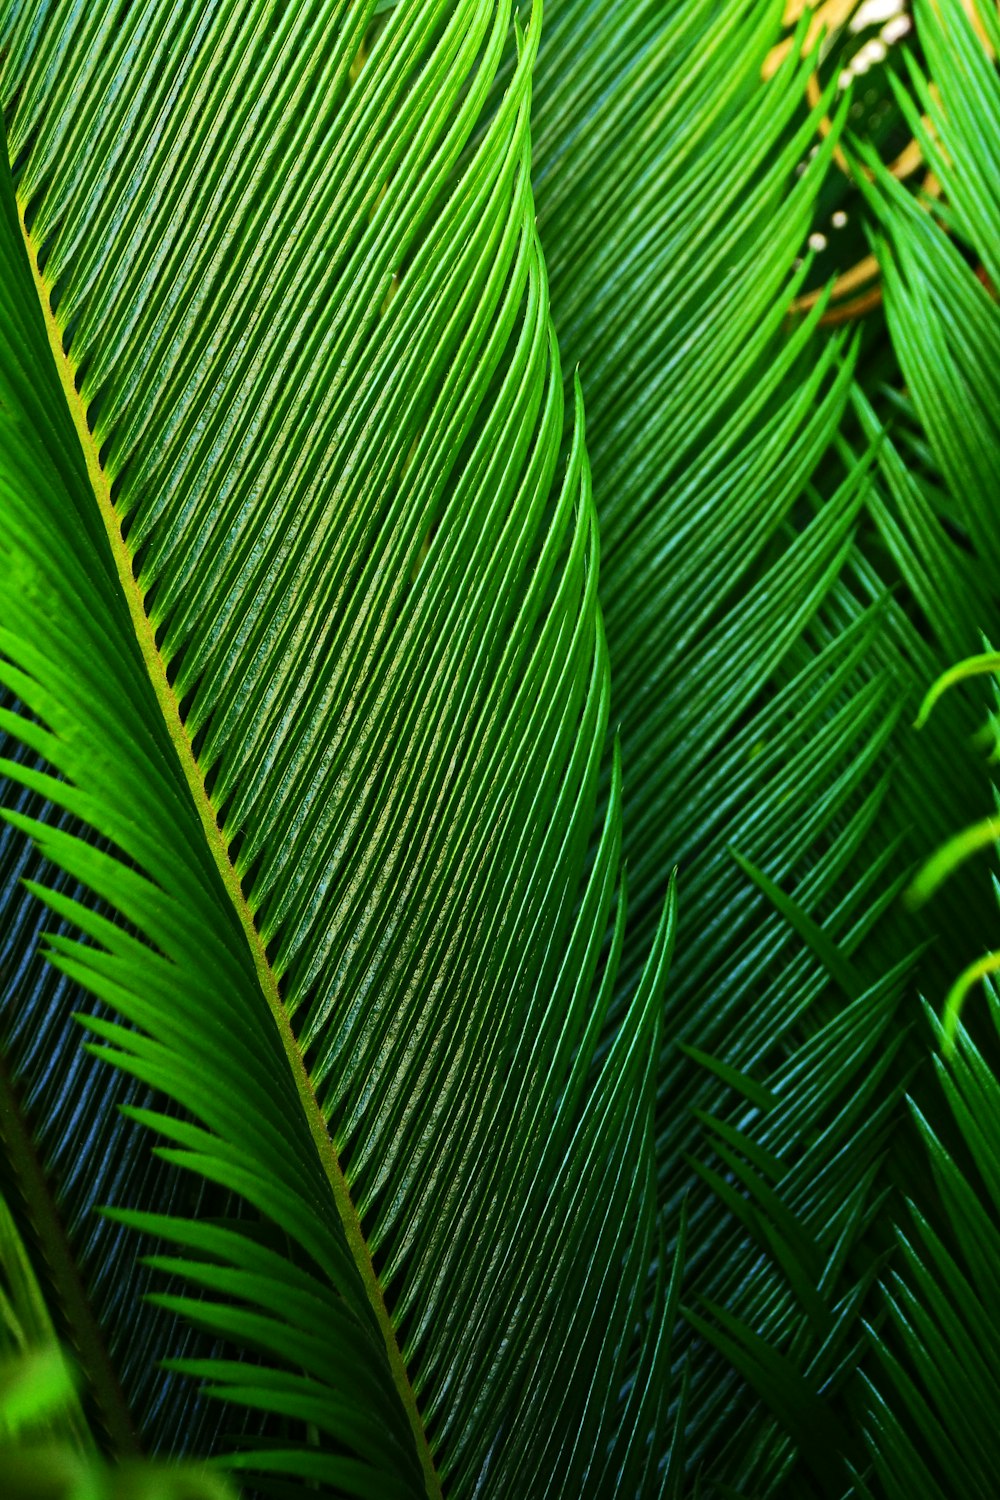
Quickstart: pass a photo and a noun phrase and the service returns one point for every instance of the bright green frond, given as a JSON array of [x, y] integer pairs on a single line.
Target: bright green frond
[[304, 607]]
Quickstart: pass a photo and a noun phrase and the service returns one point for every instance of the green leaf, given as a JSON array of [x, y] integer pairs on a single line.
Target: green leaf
[[303, 607], [751, 714]]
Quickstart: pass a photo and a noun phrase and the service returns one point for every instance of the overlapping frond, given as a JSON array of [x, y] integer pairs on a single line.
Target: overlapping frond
[[930, 529], [936, 1341], [945, 325], [752, 712], [932, 1421], [800, 1163], [705, 430], [943, 318]]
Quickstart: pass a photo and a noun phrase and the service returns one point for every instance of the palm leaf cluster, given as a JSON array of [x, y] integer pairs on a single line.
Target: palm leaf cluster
[[469, 568]]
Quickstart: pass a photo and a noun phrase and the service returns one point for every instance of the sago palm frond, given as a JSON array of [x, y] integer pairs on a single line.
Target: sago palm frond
[[939, 1334], [937, 1343], [672, 219], [929, 516], [302, 609]]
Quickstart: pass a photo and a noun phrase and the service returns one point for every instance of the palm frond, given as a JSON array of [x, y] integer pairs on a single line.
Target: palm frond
[[944, 323], [753, 715], [938, 1338], [933, 530], [344, 743], [925, 1438], [803, 1172]]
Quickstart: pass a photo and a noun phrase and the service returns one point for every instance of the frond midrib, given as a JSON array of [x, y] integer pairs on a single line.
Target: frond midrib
[[208, 816]]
